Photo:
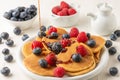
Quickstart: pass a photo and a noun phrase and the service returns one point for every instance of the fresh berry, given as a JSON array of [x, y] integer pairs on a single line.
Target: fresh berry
[[37, 51], [5, 51], [112, 50], [43, 63], [82, 37], [41, 34], [33, 7], [20, 9], [118, 57], [4, 35], [71, 11], [36, 44], [13, 19], [23, 15], [52, 29], [88, 35], [62, 13], [65, 42], [0, 40], [51, 59], [66, 36], [16, 13], [74, 32], [59, 72], [113, 37], [5, 71], [25, 37], [76, 57], [49, 45], [113, 71], [108, 43], [56, 9], [7, 15], [8, 58], [17, 31], [43, 28], [64, 50], [56, 47], [53, 35], [9, 42], [81, 50], [117, 33], [91, 43], [63, 4]]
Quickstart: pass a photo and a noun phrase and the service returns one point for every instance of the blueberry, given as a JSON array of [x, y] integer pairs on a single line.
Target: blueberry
[[28, 16], [91, 43], [24, 37], [53, 35], [5, 71], [8, 58], [117, 33], [20, 9], [49, 45], [112, 50], [118, 57], [16, 13], [9, 42], [108, 43], [4, 35], [20, 19], [67, 36], [13, 19], [43, 28], [113, 71], [43, 63], [56, 47], [41, 34], [76, 57], [0, 40], [88, 35], [5, 51], [17, 31], [37, 51], [33, 7], [23, 15], [113, 37], [7, 15]]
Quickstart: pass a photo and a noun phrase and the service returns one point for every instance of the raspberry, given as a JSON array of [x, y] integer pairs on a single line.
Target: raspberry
[[81, 50], [36, 44], [52, 29], [62, 13], [71, 11], [82, 37], [51, 59], [59, 72], [65, 42], [63, 4], [74, 32], [56, 9]]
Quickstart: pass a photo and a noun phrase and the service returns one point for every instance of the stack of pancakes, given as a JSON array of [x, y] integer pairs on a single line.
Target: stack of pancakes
[[88, 63]]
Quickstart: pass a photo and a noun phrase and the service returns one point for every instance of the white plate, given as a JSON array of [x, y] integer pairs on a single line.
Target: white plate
[[97, 70]]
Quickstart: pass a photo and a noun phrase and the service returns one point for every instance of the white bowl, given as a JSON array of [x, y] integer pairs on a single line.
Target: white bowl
[[21, 24], [66, 21], [91, 74]]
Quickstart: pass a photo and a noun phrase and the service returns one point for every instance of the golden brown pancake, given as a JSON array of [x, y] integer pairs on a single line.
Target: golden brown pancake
[[31, 63], [100, 42], [38, 39]]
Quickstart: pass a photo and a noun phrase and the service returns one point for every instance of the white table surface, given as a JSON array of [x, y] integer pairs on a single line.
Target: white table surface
[[46, 5]]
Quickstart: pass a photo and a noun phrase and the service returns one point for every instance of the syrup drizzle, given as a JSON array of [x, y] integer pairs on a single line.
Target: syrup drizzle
[[39, 15]]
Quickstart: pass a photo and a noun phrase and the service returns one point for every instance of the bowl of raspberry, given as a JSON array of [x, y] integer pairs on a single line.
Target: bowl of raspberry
[[65, 15], [21, 17]]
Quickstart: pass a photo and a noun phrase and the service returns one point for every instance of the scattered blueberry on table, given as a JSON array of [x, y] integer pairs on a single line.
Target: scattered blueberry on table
[[5, 51], [5, 71], [0, 40], [21, 13], [25, 36], [118, 57], [113, 71], [112, 50], [117, 33], [8, 58], [17, 31], [108, 43], [4, 35], [9, 42], [113, 37]]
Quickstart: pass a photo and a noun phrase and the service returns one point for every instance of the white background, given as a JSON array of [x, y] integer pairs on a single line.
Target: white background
[[46, 5]]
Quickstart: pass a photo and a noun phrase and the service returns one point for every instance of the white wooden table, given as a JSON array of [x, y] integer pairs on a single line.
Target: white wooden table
[[46, 5]]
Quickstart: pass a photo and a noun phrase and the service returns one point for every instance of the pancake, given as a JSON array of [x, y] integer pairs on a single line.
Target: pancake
[[83, 71], [100, 42], [38, 39], [31, 63], [26, 49], [86, 61]]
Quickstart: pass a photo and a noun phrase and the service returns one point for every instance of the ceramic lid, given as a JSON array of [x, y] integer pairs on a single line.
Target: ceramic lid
[[105, 7]]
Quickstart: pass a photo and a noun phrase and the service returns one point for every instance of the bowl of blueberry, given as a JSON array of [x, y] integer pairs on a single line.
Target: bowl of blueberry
[[22, 17]]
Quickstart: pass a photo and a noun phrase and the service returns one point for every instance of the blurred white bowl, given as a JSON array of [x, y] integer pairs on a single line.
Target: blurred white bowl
[[89, 75], [66, 21], [21, 24]]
